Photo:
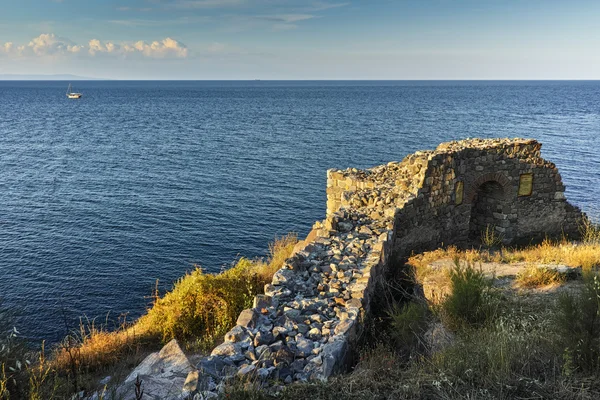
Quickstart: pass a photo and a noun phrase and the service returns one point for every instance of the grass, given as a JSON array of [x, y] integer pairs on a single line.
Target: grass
[[490, 237], [471, 300], [533, 277], [585, 255], [590, 232], [205, 306], [578, 322], [408, 324], [520, 353], [199, 310], [501, 350], [505, 345]]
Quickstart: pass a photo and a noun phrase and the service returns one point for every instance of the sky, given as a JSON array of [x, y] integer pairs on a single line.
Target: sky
[[302, 39]]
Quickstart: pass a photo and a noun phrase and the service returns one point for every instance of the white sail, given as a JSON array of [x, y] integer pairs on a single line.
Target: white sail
[[72, 95]]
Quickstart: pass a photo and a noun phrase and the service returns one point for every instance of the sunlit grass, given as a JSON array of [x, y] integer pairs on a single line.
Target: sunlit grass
[[533, 277], [584, 254], [199, 309]]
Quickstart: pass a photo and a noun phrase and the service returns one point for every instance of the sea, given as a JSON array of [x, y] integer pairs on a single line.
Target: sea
[[106, 197]]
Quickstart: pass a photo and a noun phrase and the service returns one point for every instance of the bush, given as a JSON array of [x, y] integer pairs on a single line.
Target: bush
[[501, 355], [471, 299], [205, 306], [578, 323], [200, 309], [408, 323]]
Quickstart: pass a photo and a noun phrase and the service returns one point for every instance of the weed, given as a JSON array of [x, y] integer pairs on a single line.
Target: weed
[[200, 308], [40, 375], [471, 300], [590, 232], [490, 237], [139, 392], [408, 324], [13, 358], [585, 255], [578, 322], [207, 305], [4, 394], [533, 276]]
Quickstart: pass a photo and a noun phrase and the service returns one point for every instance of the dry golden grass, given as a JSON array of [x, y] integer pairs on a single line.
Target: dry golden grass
[[533, 277], [590, 232], [199, 310], [94, 347], [279, 250], [584, 254], [420, 262]]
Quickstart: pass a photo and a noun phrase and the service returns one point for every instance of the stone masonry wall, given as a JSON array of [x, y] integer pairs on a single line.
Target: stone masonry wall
[[433, 218], [312, 312]]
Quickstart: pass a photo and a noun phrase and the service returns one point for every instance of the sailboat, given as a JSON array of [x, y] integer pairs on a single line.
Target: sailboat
[[73, 95]]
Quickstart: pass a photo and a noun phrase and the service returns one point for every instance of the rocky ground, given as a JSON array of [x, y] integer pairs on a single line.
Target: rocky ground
[[253, 349]]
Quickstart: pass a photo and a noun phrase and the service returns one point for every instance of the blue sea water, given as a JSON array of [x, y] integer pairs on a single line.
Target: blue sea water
[[139, 181]]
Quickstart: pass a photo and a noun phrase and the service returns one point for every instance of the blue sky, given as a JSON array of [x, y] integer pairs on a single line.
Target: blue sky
[[294, 39]]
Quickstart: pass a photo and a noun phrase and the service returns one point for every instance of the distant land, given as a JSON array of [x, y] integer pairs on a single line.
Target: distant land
[[57, 77]]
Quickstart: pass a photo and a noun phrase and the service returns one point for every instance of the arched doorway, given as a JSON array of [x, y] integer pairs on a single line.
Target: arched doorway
[[488, 210]]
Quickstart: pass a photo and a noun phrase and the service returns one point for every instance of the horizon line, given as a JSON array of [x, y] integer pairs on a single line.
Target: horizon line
[[305, 80]]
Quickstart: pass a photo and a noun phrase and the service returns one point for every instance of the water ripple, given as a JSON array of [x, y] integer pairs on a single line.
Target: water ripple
[[139, 181]]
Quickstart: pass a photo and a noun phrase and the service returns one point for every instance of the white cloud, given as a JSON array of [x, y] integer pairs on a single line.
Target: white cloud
[[96, 46], [8, 46], [50, 45], [158, 49]]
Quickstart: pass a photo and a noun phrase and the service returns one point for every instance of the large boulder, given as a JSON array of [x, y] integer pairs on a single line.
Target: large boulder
[[162, 374], [333, 357]]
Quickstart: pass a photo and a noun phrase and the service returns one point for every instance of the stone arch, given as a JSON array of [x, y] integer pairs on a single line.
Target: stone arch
[[490, 207], [476, 184]]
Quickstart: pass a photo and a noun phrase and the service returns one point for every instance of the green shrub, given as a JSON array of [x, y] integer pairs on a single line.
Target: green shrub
[[12, 358], [205, 306], [578, 323], [408, 324], [471, 300]]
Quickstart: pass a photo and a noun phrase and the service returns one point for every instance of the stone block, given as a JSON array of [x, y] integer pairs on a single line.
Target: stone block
[[247, 319], [261, 302]]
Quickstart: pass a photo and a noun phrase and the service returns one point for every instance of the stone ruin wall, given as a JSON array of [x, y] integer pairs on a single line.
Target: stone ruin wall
[[312, 312], [434, 218]]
